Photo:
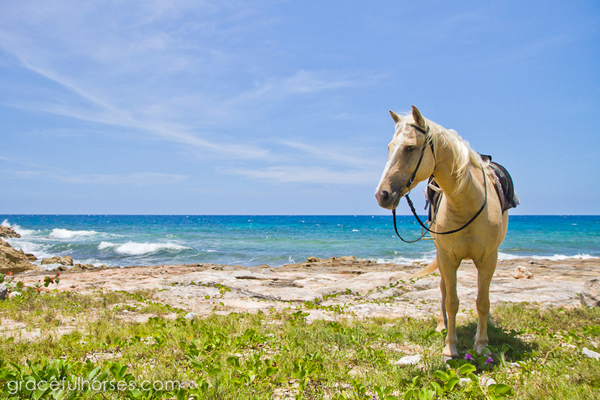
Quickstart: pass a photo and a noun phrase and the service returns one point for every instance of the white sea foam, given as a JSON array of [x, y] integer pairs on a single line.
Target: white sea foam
[[405, 260], [556, 257], [501, 256], [506, 256], [18, 229], [560, 257], [59, 233], [138, 249], [37, 249]]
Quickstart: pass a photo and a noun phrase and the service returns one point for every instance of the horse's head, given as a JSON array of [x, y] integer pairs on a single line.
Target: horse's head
[[406, 165]]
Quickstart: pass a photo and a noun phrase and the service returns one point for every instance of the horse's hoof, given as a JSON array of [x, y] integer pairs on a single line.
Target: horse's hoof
[[482, 349], [448, 358], [450, 352]]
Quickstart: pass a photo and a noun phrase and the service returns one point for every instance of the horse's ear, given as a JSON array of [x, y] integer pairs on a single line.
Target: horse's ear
[[395, 117], [419, 120]]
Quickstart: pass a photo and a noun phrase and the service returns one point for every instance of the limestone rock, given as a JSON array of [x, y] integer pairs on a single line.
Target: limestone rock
[[590, 353], [348, 261], [590, 295], [314, 260], [522, 272], [8, 232], [409, 360], [3, 292], [64, 260], [487, 382], [426, 284], [12, 260], [82, 267]]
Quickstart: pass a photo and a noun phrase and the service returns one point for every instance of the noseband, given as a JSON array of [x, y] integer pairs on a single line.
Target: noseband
[[425, 229]]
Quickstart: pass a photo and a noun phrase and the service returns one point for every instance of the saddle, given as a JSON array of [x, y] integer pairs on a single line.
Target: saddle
[[502, 182]]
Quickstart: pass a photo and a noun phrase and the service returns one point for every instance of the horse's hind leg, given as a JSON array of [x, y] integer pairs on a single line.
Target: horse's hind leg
[[485, 272]]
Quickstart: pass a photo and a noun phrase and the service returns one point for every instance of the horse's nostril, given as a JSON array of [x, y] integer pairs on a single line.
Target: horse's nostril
[[384, 195]]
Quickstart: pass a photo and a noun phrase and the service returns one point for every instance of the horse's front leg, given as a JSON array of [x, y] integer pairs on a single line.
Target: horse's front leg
[[443, 317], [485, 272], [448, 269]]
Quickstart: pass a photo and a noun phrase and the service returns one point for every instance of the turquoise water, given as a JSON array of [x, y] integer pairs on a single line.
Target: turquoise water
[[120, 240]]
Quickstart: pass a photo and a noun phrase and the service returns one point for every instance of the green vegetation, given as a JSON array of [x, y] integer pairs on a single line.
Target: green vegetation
[[129, 346], [19, 288]]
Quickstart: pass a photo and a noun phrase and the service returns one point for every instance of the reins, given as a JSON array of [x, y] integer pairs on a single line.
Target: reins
[[425, 229], [423, 232]]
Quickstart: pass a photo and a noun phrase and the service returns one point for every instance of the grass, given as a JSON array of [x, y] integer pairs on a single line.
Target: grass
[[128, 339]]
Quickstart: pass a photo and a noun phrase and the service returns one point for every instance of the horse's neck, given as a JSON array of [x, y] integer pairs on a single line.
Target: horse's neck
[[470, 195]]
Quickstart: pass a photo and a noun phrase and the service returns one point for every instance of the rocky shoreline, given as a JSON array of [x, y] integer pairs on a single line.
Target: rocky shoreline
[[12, 260], [357, 287], [361, 288]]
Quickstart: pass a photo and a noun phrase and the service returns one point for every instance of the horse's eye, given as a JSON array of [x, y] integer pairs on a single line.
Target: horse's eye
[[409, 148]]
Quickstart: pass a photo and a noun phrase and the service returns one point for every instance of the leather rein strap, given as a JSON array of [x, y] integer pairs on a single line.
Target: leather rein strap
[[423, 233], [412, 207]]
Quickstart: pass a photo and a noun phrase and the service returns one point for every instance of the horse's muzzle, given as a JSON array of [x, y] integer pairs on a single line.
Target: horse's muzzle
[[386, 199]]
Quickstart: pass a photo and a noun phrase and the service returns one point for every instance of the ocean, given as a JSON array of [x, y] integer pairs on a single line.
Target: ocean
[[122, 240]]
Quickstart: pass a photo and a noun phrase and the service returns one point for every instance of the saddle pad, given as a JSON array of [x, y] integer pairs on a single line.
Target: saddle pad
[[504, 187]]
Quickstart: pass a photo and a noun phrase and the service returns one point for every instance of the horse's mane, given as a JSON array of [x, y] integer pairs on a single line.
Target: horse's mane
[[462, 152]]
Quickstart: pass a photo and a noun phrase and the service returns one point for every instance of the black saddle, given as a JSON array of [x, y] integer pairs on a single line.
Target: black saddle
[[503, 184]]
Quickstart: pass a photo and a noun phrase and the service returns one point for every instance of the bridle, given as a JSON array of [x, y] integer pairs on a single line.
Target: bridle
[[425, 229]]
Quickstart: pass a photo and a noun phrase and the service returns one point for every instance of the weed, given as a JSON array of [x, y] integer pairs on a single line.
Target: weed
[[19, 288]]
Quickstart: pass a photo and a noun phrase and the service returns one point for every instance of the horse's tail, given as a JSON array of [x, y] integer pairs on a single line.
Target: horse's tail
[[426, 271]]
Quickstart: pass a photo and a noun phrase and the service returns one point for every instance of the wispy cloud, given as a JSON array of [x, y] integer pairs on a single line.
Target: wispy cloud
[[305, 174], [98, 104], [337, 156], [301, 82], [136, 179], [150, 69], [103, 93]]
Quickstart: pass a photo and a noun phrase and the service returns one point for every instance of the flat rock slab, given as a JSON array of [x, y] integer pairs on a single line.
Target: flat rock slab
[[345, 285]]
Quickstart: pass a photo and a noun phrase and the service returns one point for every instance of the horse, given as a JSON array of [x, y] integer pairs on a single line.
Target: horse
[[469, 210]]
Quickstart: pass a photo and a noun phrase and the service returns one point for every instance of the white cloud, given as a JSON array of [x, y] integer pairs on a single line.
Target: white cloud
[[301, 82], [112, 73], [137, 179], [172, 71], [339, 156], [301, 174]]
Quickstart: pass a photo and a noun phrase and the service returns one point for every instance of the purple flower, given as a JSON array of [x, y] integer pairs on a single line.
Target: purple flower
[[489, 361], [468, 356]]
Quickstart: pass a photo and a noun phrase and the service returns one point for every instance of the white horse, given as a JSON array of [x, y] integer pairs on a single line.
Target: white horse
[[420, 149]]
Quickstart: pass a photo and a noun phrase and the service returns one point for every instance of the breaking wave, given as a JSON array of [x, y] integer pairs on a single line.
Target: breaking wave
[[59, 233], [138, 249], [21, 231]]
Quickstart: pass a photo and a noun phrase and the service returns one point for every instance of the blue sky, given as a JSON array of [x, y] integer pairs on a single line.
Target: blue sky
[[281, 107]]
